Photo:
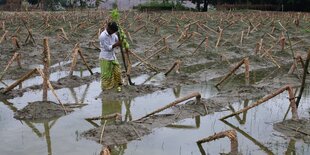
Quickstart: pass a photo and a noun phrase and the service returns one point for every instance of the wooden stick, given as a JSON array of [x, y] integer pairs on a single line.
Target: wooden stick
[[15, 42], [195, 94], [110, 116], [85, 63], [64, 33], [264, 99], [16, 83]]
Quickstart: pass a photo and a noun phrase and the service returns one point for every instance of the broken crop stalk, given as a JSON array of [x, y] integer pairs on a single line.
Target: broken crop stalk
[[46, 63], [64, 33], [282, 41], [117, 116], [244, 61], [16, 57], [264, 99], [77, 51], [176, 65], [219, 37], [84, 61], [51, 87], [231, 134], [241, 39], [303, 79], [15, 42], [200, 45], [195, 94], [298, 59], [144, 62], [3, 36]]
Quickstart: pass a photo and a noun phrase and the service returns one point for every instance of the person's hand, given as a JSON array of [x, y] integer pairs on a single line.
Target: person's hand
[[119, 43]]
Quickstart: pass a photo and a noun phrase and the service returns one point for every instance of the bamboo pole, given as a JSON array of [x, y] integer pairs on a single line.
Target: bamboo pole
[[264, 99], [231, 134], [195, 94], [23, 78]]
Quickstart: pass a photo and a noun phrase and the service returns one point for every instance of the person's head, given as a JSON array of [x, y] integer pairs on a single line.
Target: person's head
[[112, 28]]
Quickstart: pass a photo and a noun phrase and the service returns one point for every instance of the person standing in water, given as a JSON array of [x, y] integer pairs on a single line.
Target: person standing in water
[[109, 66]]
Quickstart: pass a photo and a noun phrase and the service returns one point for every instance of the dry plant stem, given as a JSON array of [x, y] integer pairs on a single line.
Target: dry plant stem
[[241, 39], [3, 36], [16, 83], [219, 38], [195, 94], [101, 135], [175, 64], [264, 99], [46, 63], [144, 62], [303, 83], [155, 53], [74, 60], [231, 134], [199, 45], [110, 116], [231, 72], [52, 89], [85, 63], [15, 56]]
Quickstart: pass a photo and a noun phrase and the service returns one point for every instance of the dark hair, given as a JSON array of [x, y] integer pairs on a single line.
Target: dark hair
[[113, 26]]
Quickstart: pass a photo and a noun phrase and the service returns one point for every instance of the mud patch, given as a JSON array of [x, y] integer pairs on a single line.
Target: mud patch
[[299, 129], [41, 110]]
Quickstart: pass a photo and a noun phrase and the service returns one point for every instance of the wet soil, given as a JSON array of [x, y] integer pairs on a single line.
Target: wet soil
[[298, 129], [41, 111]]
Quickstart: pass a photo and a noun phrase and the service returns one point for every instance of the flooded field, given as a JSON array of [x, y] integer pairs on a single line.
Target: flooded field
[[208, 47]]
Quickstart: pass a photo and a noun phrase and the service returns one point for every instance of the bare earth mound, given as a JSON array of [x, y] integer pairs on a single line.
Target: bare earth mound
[[41, 110]]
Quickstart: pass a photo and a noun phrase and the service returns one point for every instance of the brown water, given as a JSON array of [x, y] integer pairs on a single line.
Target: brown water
[[62, 136]]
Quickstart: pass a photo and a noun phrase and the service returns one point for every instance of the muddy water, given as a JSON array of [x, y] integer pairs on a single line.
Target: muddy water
[[62, 135]]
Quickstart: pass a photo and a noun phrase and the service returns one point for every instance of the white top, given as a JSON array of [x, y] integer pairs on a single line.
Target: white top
[[106, 42]]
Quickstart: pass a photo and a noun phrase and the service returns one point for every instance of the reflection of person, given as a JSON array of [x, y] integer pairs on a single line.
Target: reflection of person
[[110, 68]]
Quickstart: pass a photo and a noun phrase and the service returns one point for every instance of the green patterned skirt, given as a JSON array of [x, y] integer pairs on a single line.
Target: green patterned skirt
[[110, 74]]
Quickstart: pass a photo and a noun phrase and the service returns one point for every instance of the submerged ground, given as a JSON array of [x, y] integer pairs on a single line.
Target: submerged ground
[[231, 36]]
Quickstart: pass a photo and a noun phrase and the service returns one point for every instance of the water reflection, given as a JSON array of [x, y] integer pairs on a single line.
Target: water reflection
[[243, 120], [260, 145], [47, 126]]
